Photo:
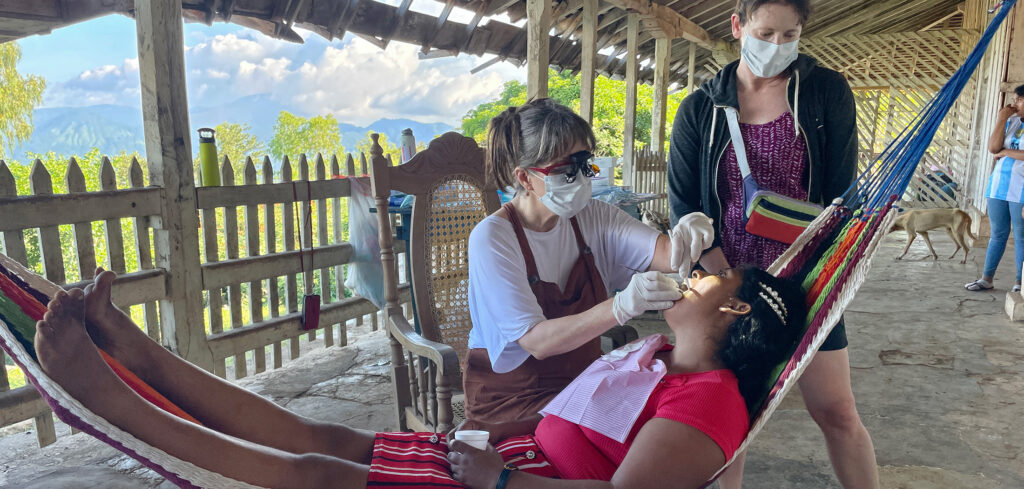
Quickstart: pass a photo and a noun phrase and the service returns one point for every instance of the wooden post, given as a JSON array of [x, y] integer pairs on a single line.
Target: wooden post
[[169, 154], [659, 109], [629, 133], [690, 67], [538, 23], [589, 46]]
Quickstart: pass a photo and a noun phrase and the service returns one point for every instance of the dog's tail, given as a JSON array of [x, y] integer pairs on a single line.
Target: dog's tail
[[967, 223]]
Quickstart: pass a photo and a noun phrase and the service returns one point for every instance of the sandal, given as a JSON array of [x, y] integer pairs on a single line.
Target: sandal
[[978, 285]]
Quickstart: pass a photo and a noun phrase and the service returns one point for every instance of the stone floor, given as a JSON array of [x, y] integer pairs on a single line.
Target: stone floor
[[937, 371]]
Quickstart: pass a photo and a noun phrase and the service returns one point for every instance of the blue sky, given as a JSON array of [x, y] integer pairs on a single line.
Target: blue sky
[[95, 62]]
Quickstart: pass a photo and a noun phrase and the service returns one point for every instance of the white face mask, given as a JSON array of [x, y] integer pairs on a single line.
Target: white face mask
[[563, 198], [767, 59]]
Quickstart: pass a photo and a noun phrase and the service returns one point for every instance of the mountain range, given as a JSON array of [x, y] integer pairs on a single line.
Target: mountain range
[[116, 128]]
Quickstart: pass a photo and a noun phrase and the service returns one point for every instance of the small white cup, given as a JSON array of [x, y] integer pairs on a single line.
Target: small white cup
[[473, 438]]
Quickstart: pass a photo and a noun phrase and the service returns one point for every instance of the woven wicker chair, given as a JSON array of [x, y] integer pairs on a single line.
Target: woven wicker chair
[[452, 196]]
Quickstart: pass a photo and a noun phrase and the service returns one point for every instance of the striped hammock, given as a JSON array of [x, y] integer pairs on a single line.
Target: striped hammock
[[831, 258]]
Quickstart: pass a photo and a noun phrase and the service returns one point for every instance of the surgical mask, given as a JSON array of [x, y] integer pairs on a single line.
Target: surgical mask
[[767, 59], [566, 199]]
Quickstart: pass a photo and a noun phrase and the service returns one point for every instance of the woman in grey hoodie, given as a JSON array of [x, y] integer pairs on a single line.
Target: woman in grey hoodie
[[798, 123]]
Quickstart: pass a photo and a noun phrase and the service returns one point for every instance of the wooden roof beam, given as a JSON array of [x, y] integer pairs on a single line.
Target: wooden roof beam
[[959, 10], [441, 19], [666, 21], [471, 27], [399, 17], [886, 9], [343, 14], [611, 18], [499, 6]]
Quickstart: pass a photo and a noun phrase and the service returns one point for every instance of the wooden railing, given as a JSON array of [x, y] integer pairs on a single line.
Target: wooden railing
[[266, 240]]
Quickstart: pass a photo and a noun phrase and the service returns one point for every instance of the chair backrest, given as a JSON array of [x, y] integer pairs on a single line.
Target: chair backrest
[[452, 194]]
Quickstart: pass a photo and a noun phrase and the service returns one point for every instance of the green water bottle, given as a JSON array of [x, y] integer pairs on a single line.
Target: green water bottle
[[208, 158]]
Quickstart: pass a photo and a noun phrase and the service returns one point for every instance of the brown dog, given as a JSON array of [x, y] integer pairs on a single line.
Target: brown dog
[[919, 221]]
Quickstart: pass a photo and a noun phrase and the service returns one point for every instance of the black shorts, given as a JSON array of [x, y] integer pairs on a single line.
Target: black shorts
[[836, 339]]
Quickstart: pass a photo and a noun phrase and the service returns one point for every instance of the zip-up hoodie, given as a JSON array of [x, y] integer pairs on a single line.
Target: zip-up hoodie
[[825, 114]]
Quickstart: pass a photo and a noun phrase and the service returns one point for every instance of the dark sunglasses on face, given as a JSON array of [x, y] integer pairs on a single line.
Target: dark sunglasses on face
[[572, 165]]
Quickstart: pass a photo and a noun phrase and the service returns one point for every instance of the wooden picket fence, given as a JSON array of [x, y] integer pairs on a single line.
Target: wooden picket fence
[[650, 176], [265, 242]]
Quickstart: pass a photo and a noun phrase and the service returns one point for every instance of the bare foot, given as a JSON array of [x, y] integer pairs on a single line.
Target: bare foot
[[69, 357], [109, 327]]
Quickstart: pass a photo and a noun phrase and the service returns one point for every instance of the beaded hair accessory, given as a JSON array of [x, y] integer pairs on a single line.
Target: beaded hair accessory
[[774, 300]]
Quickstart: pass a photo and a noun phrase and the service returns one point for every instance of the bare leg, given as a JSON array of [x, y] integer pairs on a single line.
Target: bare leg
[[827, 392], [218, 404], [928, 241], [67, 355], [732, 478]]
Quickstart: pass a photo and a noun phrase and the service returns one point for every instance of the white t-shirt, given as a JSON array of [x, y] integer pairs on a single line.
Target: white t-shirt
[[501, 303]]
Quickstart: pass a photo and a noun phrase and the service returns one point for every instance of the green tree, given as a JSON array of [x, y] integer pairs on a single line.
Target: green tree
[[295, 135], [474, 124], [389, 148], [19, 96], [609, 100], [236, 141]]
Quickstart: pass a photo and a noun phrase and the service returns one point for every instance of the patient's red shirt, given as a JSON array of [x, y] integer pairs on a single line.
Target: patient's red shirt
[[707, 401]]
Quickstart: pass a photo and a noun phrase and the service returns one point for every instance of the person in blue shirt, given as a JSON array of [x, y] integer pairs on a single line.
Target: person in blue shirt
[[1005, 191]]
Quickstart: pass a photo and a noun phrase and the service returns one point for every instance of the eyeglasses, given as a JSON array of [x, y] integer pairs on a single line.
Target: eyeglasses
[[572, 165]]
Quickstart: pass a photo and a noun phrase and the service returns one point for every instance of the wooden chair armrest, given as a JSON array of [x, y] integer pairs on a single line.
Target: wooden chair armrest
[[442, 355]]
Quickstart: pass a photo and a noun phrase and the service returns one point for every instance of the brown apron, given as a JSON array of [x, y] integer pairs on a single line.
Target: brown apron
[[525, 390]]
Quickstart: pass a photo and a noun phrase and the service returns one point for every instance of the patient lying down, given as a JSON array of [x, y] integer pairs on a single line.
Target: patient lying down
[[681, 415]]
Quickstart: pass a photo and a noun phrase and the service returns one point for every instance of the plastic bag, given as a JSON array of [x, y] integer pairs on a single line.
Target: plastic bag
[[365, 274]]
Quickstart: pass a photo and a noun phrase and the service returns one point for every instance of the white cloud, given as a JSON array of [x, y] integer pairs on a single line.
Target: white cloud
[[352, 79], [107, 84]]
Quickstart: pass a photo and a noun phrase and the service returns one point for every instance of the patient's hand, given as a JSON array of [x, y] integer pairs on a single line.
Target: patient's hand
[[475, 468], [500, 431], [495, 430]]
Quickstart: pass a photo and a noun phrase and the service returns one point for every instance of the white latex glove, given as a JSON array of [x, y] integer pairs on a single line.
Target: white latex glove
[[646, 291], [693, 234]]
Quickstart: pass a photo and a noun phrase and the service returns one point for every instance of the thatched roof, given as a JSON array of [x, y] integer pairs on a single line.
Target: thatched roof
[[704, 22]]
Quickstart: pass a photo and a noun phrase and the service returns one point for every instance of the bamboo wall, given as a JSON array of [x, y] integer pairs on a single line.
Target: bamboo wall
[[893, 76]]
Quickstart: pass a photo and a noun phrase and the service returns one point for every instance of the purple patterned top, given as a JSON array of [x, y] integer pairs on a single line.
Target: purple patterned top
[[778, 161]]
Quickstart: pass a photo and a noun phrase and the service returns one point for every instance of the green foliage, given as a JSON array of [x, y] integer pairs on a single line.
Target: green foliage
[[15, 376], [474, 124], [609, 100], [237, 142], [295, 135], [389, 148], [91, 164], [19, 96]]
